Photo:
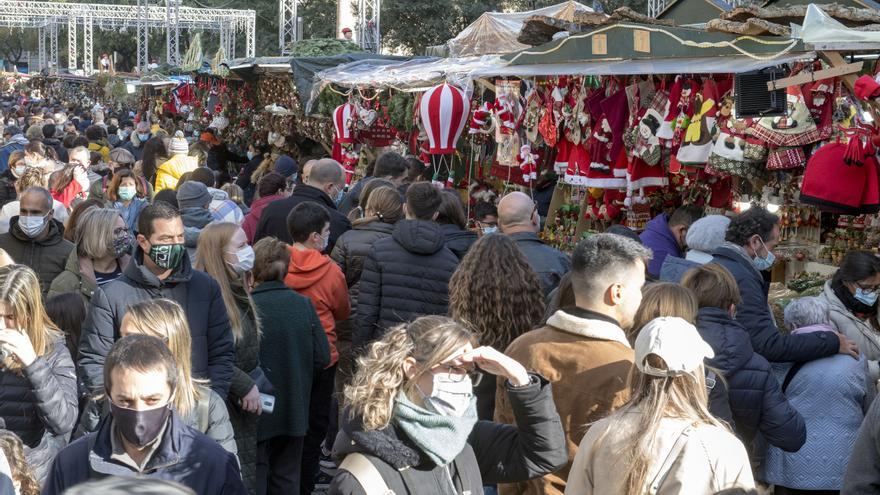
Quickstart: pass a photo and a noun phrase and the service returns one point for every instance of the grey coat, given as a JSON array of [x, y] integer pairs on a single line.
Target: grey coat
[[549, 263]]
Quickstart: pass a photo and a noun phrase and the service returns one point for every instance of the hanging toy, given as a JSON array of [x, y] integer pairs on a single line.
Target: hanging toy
[[344, 117], [481, 120], [444, 110], [528, 164]]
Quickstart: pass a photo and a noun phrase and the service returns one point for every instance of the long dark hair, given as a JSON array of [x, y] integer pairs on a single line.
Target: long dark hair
[[495, 293], [155, 153], [856, 265], [68, 311]]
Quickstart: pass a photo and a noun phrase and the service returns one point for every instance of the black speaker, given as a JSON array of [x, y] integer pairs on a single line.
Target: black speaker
[[752, 97]]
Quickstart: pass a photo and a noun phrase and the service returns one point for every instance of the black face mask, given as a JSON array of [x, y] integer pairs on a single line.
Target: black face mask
[[140, 427]]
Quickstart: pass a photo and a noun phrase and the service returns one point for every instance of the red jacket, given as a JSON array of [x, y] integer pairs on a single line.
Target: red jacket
[[252, 219], [317, 277]]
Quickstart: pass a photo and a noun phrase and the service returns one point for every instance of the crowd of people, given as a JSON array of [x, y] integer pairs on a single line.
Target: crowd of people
[[174, 314]]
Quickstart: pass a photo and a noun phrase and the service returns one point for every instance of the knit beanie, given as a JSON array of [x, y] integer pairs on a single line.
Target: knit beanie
[[286, 166], [192, 194], [178, 145]]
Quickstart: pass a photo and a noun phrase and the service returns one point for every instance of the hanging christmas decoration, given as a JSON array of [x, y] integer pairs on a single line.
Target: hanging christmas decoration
[[444, 110], [344, 151]]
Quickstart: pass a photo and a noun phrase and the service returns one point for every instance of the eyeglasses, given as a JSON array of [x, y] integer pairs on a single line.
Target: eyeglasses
[[119, 230], [457, 374], [867, 288]]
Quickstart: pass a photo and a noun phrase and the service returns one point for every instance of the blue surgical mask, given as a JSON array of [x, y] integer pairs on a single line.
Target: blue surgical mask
[[339, 196], [490, 230], [250, 155], [866, 298], [143, 137], [762, 264]]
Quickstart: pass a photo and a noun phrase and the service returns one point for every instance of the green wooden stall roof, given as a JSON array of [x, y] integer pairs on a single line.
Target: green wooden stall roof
[[628, 41]]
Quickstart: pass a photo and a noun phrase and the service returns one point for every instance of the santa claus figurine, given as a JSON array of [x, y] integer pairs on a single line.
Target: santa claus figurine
[[528, 164]]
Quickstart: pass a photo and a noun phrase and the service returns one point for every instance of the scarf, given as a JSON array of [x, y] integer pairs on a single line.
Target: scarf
[[857, 307], [439, 437]]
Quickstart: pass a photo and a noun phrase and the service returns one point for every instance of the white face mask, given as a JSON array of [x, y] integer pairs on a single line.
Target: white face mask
[[450, 398], [251, 155], [32, 226], [245, 257]]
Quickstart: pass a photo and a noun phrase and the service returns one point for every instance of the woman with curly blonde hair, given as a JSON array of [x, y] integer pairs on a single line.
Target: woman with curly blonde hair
[[495, 294], [411, 413]]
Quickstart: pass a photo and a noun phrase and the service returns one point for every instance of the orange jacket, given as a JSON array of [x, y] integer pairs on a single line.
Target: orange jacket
[[317, 277]]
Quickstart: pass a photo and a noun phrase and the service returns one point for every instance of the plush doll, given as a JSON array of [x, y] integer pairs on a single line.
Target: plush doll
[[600, 146], [481, 120], [505, 114], [528, 164]]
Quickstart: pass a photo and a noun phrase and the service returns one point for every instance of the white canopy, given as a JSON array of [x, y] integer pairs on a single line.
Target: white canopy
[[496, 32], [824, 32]]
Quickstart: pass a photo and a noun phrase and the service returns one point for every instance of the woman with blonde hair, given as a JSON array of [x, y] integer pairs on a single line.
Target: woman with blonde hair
[[199, 406], [411, 413], [664, 299], [103, 249], [495, 294], [664, 440], [670, 299], [23, 478], [224, 254], [38, 390]]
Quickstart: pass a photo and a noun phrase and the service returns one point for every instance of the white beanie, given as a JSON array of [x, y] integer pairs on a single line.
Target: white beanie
[[178, 145], [707, 233]]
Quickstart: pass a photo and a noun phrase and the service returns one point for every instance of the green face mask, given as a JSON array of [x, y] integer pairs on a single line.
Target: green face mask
[[167, 256]]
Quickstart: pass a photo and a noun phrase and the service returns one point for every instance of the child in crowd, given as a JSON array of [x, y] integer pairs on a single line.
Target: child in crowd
[[832, 394], [757, 403]]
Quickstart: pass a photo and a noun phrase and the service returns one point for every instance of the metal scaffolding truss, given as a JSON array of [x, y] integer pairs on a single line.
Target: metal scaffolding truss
[[286, 25], [47, 16], [368, 34]]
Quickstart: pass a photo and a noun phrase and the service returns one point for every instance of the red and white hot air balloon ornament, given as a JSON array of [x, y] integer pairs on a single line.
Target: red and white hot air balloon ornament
[[344, 117], [444, 111]]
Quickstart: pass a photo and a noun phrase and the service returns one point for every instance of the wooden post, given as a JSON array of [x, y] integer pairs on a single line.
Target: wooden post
[[836, 60]]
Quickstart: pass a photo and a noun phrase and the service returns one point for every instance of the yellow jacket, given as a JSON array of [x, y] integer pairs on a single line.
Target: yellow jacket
[[169, 172], [100, 148]]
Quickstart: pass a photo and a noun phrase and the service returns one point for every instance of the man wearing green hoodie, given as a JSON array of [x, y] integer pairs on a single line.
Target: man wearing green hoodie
[[317, 277]]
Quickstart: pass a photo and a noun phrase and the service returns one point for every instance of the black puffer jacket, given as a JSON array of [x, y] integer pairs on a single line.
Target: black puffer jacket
[[756, 400], [352, 249], [273, 221], [40, 405], [46, 256], [495, 453], [405, 276], [213, 354], [457, 240]]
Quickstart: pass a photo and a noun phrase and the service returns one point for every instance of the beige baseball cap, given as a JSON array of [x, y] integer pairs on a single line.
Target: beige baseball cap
[[675, 341]]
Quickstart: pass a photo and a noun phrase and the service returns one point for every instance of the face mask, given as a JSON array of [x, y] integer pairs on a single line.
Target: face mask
[[32, 226], [167, 256], [140, 427], [325, 241], [143, 137], [764, 263], [338, 198], [245, 257], [126, 193], [19, 170], [490, 230], [450, 398], [123, 134], [251, 155], [866, 298], [122, 245]]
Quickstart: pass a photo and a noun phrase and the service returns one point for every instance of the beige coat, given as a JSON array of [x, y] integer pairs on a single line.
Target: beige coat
[[860, 331], [712, 459], [588, 362]]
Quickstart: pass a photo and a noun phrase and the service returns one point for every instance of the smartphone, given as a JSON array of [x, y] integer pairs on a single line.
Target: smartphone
[[268, 403]]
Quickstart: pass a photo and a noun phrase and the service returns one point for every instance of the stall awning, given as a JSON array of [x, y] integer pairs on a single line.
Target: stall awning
[[693, 65], [823, 32]]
